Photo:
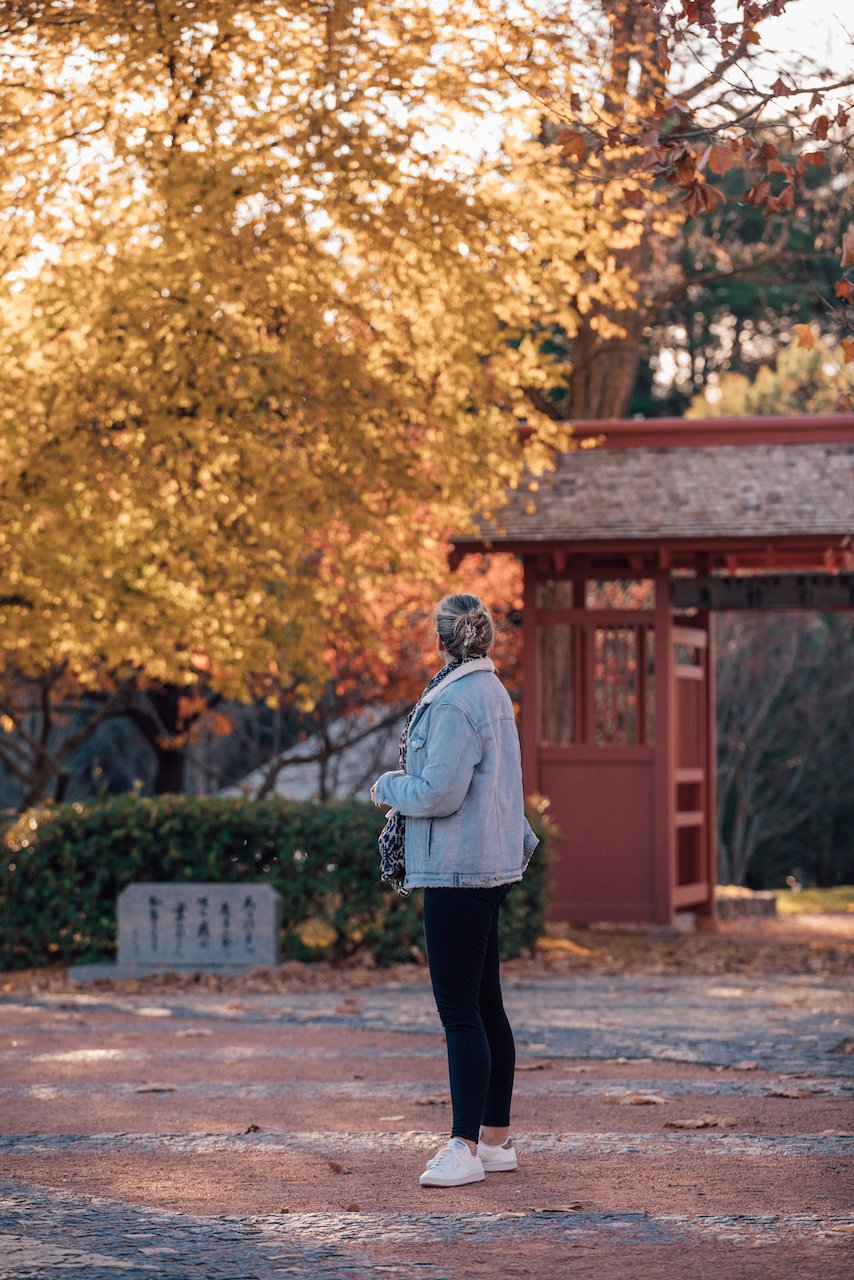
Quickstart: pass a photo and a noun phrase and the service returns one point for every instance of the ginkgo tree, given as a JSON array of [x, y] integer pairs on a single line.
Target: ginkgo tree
[[268, 331]]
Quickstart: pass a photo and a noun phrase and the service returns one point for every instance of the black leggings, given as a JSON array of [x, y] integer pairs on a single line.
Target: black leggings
[[461, 932]]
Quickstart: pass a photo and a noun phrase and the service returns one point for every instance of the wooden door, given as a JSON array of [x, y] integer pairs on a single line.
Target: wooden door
[[693, 776]]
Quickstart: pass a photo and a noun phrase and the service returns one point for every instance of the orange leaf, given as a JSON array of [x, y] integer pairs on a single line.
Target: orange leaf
[[847, 345], [843, 289], [815, 158], [721, 158], [758, 193], [805, 336], [220, 725], [572, 145], [702, 198], [848, 248], [781, 203]]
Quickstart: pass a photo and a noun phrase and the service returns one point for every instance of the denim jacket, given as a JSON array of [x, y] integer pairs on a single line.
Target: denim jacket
[[461, 793]]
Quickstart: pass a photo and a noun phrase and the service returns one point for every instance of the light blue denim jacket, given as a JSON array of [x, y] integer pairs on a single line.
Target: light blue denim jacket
[[461, 793]]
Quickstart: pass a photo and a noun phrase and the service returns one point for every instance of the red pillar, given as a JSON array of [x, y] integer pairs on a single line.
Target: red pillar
[[530, 680], [665, 752], [707, 916]]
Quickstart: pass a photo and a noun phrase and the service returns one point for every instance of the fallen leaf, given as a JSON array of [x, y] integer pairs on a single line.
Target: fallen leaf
[[154, 1088], [253, 1128], [194, 1031], [540, 1064], [388, 1119], [708, 1121], [749, 1064], [336, 1167], [560, 1208], [433, 1100], [352, 1208], [845, 1226], [632, 1099], [792, 1093]]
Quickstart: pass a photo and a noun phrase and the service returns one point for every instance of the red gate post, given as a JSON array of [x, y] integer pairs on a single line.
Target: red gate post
[[665, 765]]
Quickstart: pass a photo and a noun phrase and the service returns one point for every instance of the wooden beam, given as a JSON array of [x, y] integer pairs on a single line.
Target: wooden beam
[[765, 591]]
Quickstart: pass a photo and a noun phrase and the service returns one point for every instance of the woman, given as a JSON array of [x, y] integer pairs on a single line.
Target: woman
[[466, 841]]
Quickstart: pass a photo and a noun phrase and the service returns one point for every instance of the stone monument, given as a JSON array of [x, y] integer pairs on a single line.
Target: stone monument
[[198, 926]]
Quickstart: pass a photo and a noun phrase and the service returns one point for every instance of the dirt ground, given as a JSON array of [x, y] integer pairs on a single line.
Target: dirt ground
[[683, 1106]]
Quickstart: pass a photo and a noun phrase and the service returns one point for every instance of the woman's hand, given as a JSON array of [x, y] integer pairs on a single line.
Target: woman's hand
[[387, 804]]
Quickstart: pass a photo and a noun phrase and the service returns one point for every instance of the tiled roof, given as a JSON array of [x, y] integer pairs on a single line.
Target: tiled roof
[[716, 491]]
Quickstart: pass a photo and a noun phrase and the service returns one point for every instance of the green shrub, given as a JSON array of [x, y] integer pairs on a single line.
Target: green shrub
[[64, 866]]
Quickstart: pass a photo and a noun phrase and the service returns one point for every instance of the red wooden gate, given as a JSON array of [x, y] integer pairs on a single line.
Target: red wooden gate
[[620, 740]]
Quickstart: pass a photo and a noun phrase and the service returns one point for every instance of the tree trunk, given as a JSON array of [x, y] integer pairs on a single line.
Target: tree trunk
[[604, 373], [169, 775], [158, 720]]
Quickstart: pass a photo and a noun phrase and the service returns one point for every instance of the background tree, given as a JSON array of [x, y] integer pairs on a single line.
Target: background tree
[[811, 378], [785, 747], [703, 126], [784, 681], [736, 284]]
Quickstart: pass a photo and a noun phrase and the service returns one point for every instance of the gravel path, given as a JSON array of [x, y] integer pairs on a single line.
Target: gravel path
[[184, 1133]]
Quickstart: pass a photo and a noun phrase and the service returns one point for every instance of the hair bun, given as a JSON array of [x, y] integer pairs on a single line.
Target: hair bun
[[464, 625]]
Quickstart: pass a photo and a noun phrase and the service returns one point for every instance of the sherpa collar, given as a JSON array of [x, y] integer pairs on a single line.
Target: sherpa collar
[[476, 664]]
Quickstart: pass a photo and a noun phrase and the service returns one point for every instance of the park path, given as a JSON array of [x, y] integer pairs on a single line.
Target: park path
[[185, 1134]]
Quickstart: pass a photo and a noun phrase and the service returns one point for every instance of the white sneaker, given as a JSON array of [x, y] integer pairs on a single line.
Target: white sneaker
[[498, 1159], [453, 1166]]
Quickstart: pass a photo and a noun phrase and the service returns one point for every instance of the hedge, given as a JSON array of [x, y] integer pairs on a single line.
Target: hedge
[[63, 867]]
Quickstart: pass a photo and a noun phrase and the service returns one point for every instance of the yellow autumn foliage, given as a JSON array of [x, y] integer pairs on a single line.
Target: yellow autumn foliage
[[274, 275]]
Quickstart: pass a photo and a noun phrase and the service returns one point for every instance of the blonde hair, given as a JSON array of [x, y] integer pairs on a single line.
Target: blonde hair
[[464, 625]]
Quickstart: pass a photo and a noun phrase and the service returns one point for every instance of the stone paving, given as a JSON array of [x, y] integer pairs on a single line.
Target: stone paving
[[123, 1152]]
